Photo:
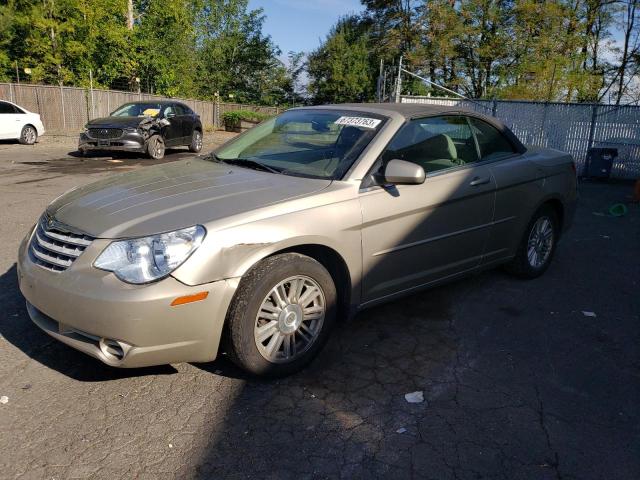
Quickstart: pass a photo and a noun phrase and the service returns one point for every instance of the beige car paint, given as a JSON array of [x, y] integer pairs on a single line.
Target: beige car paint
[[392, 239]]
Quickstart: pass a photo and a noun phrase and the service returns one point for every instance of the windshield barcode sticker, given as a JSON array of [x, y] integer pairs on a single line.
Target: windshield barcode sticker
[[358, 122]]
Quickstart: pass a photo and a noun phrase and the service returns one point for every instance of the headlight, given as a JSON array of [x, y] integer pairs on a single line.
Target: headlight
[[130, 130], [147, 259]]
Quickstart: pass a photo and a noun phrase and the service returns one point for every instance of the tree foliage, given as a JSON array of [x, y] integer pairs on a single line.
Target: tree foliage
[[340, 69], [173, 47], [562, 50]]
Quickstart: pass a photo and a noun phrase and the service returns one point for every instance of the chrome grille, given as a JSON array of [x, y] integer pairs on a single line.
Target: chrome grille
[[105, 133], [54, 247]]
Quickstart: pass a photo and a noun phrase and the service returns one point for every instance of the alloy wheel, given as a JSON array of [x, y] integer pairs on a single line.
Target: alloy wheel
[[29, 135], [290, 319], [157, 149], [540, 242]]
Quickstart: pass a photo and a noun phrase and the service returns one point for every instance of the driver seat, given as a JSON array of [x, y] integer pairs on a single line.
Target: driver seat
[[437, 153]]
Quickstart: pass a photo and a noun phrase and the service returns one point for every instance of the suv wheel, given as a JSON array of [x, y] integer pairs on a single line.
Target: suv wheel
[[196, 141], [155, 147], [281, 316], [28, 136], [537, 245]]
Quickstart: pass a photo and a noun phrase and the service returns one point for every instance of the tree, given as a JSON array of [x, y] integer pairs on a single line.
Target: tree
[[295, 69], [629, 66], [6, 39], [165, 39], [340, 70], [234, 56]]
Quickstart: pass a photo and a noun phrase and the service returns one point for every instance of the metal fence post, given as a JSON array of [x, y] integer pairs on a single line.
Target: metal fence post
[[93, 108], [216, 105], [494, 107], [64, 116], [11, 93], [37, 89], [542, 124], [592, 127]]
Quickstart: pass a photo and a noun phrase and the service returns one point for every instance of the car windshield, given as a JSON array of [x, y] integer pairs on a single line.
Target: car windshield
[[311, 143], [138, 110]]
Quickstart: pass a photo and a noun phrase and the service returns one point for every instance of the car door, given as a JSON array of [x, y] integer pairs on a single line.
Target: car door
[[173, 132], [187, 119], [10, 121], [415, 235], [519, 184]]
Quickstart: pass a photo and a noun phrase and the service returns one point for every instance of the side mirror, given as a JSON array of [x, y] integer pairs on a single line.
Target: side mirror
[[402, 172]]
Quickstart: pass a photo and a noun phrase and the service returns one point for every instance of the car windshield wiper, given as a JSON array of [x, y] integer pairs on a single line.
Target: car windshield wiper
[[247, 162], [211, 156]]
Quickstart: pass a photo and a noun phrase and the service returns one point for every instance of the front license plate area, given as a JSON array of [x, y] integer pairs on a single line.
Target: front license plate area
[[104, 143]]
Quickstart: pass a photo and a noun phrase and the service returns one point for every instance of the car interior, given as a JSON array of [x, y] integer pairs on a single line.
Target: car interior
[[422, 144]]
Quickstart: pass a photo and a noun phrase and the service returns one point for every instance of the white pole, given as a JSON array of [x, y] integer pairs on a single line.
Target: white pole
[[399, 82]]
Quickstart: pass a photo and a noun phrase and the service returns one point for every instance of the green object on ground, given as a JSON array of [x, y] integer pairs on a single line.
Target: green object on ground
[[618, 210]]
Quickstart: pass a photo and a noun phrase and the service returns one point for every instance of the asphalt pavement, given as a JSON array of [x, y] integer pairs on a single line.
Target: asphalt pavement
[[531, 379]]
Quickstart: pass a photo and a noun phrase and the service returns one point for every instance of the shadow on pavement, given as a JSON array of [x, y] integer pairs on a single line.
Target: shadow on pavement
[[18, 329], [517, 381]]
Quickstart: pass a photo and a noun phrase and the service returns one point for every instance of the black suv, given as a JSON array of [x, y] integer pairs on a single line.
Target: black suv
[[148, 127]]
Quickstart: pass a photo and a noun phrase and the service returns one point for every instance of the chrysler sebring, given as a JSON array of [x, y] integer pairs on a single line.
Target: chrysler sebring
[[258, 248]]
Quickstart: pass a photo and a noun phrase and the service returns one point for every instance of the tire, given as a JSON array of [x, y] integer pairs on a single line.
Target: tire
[[196, 141], [528, 264], [302, 336], [28, 135], [155, 147]]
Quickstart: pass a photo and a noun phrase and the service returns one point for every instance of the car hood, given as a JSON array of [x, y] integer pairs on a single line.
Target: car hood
[[171, 196], [119, 122]]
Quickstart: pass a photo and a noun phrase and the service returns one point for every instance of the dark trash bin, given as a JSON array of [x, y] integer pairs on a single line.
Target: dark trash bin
[[599, 162]]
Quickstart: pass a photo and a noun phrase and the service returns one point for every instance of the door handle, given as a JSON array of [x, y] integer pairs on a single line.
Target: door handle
[[478, 181]]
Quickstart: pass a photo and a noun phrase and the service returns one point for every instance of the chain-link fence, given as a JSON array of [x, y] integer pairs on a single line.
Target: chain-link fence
[[571, 127], [68, 109]]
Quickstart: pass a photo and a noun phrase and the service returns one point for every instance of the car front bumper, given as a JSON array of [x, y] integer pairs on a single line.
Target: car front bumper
[[128, 142], [120, 324]]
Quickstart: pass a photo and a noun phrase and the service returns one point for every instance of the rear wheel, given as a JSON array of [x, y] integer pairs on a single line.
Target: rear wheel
[[281, 316], [155, 147], [196, 141], [537, 246], [29, 135]]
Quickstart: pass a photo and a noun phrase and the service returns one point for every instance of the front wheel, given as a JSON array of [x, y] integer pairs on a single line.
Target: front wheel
[[281, 316], [196, 142], [155, 147], [29, 135], [537, 246]]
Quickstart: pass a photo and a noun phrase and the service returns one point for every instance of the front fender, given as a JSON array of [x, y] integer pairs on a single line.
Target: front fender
[[230, 253]]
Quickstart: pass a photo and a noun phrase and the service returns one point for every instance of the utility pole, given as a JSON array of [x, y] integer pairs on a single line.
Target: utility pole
[[17, 71], [380, 82], [399, 81], [130, 15]]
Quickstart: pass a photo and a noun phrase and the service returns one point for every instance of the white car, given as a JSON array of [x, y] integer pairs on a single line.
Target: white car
[[17, 123]]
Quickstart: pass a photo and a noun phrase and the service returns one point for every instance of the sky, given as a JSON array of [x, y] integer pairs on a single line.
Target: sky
[[301, 25]]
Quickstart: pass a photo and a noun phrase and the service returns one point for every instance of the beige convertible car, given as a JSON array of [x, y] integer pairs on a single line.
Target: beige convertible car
[[260, 247]]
